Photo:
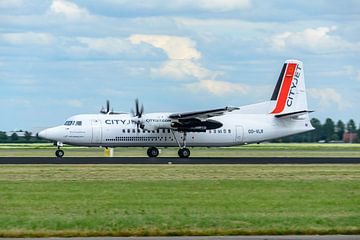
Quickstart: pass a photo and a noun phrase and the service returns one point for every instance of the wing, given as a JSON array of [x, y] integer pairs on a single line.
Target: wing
[[202, 115]]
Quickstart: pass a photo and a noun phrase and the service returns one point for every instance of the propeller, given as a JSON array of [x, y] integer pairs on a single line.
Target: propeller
[[107, 109], [139, 110]]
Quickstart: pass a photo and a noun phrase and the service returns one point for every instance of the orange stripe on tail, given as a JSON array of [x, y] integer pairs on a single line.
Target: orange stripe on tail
[[280, 104]]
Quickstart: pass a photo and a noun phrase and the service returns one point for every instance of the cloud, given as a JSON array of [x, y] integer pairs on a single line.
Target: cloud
[[10, 3], [218, 87], [183, 63], [358, 75], [181, 69], [346, 72], [28, 38], [175, 47], [328, 97], [108, 45], [180, 6], [74, 103], [222, 5], [318, 40], [182, 54], [343, 71], [68, 9]]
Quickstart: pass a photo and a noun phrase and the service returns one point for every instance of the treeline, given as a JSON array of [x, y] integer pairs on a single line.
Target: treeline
[[15, 138], [329, 131]]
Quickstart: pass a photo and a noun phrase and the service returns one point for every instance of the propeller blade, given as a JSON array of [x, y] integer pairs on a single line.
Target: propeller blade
[[107, 106], [141, 110], [137, 107]]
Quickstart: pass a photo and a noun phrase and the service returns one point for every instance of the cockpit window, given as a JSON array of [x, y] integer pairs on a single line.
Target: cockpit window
[[68, 123], [76, 123]]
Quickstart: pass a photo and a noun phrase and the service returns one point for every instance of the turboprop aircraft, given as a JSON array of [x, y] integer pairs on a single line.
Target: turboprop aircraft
[[285, 114]]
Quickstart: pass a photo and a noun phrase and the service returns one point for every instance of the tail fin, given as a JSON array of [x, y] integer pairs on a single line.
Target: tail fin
[[289, 94]]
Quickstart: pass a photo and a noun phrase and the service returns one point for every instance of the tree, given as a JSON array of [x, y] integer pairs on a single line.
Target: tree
[[3, 137], [27, 136], [350, 126], [315, 134], [14, 137], [328, 129], [340, 129]]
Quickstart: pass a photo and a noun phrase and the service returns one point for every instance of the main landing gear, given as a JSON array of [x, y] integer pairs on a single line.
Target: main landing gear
[[183, 151], [152, 152], [59, 153]]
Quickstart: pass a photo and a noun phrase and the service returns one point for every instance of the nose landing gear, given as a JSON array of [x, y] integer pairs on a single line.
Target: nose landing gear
[[59, 153]]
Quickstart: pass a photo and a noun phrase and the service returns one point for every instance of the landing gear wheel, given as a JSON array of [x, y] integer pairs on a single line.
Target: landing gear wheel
[[184, 152], [152, 152], [59, 153]]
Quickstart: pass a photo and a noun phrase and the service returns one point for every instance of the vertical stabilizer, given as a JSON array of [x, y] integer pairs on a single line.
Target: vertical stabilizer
[[289, 94]]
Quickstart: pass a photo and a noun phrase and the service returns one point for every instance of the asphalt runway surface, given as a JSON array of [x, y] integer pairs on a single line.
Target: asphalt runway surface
[[309, 237], [175, 160]]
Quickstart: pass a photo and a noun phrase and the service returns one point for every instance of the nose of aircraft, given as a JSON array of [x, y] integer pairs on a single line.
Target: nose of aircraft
[[43, 134], [50, 133]]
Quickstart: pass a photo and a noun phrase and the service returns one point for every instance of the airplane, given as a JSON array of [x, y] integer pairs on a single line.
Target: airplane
[[286, 113]]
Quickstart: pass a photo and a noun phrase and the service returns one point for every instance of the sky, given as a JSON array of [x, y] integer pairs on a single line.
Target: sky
[[60, 58]]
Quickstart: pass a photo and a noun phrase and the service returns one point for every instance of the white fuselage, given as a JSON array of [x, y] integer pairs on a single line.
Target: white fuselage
[[285, 114], [119, 130]]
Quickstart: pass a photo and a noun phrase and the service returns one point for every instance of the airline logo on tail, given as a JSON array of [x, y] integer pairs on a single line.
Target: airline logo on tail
[[286, 86]]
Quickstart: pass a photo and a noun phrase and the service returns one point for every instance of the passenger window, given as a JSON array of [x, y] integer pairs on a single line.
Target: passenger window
[[123, 131], [163, 130], [133, 130], [229, 131], [128, 130], [168, 130]]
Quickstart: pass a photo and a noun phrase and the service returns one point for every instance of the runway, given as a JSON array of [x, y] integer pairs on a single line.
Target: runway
[[175, 160]]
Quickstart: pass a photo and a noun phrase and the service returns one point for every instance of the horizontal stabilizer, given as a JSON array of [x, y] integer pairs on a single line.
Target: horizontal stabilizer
[[293, 114]]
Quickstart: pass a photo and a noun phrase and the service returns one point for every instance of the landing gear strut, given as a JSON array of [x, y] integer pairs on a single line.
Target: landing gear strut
[[152, 152], [183, 151], [59, 153]]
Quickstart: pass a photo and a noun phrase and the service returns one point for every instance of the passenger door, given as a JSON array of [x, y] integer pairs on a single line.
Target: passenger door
[[96, 131], [239, 134]]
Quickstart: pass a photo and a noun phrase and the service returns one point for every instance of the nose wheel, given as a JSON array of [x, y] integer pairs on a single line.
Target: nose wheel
[[184, 152], [59, 153], [152, 152]]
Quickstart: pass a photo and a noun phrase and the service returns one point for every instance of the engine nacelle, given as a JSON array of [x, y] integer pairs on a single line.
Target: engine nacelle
[[153, 122], [195, 125]]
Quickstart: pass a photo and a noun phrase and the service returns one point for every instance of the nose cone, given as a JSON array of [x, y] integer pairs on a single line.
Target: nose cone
[[43, 134], [53, 134]]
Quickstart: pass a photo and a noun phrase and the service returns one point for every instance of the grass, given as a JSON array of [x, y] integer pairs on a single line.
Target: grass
[[253, 150], [129, 200]]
